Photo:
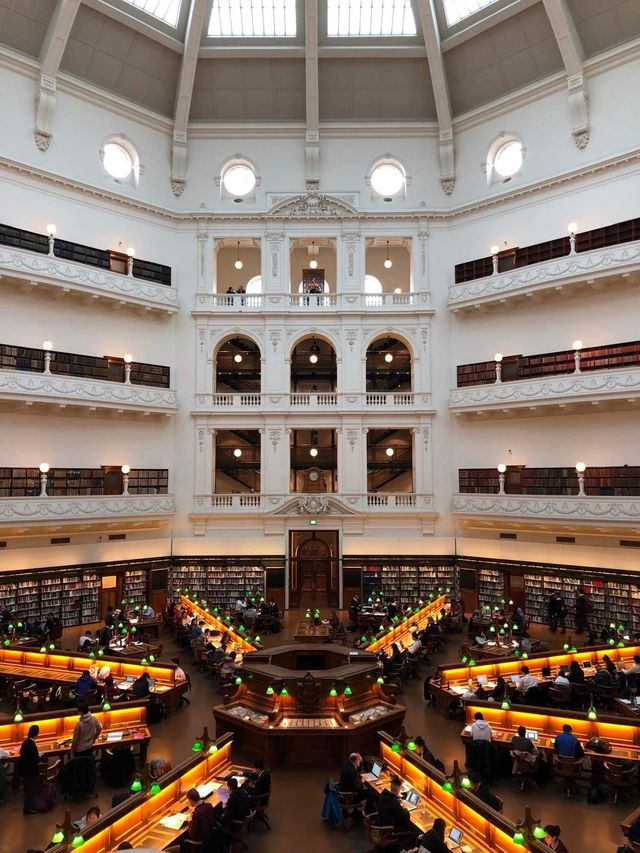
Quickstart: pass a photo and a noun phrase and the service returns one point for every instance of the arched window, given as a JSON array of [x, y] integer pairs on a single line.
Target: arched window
[[372, 284], [504, 158], [254, 285], [387, 178]]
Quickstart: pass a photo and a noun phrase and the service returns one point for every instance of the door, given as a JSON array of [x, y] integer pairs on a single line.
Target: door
[[313, 571]]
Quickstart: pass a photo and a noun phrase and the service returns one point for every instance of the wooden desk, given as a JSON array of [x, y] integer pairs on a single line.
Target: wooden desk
[[485, 830], [453, 679], [137, 820], [307, 632], [134, 651], [147, 626], [627, 709], [492, 650], [623, 737], [56, 730], [401, 633], [245, 644], [62, 669]]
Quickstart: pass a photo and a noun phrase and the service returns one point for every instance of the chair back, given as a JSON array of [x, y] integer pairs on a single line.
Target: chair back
[[618, 775], [376, 835], [567, 767], [524, 767]]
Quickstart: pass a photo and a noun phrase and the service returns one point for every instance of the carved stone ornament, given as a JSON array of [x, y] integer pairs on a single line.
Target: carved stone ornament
[[312, 505], [274, 337], [312, 204], [43, 141], [448, 185], [351, 336], [590, 508], [581, 139], [64, 508], [274, 437], [177, 187], [352, 437]]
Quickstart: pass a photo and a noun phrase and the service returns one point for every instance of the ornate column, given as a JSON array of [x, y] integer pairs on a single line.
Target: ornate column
[[275, 263], [204, 459], [206, 273], [350, 260], [422, 459], [204, 360], [275, 460], [419, 266]]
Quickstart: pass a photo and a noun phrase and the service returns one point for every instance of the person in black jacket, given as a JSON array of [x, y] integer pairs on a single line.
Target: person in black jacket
[[238, 805], [141, 686], [29, 768], [392, 813], [433, 840], [350, 781], [260, 782]]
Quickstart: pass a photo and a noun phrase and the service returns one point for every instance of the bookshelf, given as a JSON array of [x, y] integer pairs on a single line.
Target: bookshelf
[[134, 586], [406, 583], [221, 584], [621, 481], [25, 482], [18, 238], [491, 588]]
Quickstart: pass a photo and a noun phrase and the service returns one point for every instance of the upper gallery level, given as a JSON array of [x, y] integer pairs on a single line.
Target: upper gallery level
[[593, 259]]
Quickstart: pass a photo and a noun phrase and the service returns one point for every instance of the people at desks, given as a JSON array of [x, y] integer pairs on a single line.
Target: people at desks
[[350, 777], [392, 813], [203, 823], [480, 728], [148, 612], [180, 674], [576, 673], [142, 686], [92, 815], [561, 679], [567, 744], [634, 669], [423, 751], [481, 639], [85, 684], [259, 782], [355, 602], [433, 840], [526, 680], [481, 789], [86, 642]]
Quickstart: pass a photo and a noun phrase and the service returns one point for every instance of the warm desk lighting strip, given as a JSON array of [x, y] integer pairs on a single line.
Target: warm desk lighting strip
[[485, 830], [137, 819], [69, 666], [620, 732], [401, 632], [245, 645], [511, 666]]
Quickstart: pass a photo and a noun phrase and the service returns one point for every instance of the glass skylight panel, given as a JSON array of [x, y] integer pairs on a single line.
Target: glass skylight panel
[[370, 18], [458, 10], [253, 19], [164, 10]]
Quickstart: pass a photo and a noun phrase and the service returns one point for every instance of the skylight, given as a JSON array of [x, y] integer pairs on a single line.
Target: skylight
[[370, 18], [164, 10], [458, 10], [253, 19]]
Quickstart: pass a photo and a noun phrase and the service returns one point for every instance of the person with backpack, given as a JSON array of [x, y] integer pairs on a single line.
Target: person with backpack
[[85, 734]]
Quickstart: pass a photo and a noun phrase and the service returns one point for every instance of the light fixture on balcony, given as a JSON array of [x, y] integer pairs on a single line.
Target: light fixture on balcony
[[572, 228], [130, 254], [127, 358], [388, 262], [502, 469], [397, 290], [125, 469], [389, 451], [44, 470], [238, 264], [237, 453], [237, 358], [51, 232], [581, 467], [313, 264], [313, 452], [498, 360], [47, 346], [388, 357], [577, 346], [314, 351], [494, 258]]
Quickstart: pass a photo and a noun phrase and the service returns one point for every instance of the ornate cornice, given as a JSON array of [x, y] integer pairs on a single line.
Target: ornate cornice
[[69, 276], [75, 391], [411, 505], [548, 391], [561, 272], [74, 508], [313, 205], [596, 509], [367, 303]]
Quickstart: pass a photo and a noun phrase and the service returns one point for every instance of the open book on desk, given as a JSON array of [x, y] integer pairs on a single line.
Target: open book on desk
[[174, 821], [207, 788]]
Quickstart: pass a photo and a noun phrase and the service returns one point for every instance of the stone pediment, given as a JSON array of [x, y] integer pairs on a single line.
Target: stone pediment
[[313, 205], [314, 505]]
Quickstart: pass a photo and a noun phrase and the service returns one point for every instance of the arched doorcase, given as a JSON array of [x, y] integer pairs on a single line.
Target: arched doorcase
[[314, 568]]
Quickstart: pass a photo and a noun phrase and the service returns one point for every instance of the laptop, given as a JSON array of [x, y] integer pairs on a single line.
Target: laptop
[[515, 679], [454, 841], [130, 679], [482, 679], [412, 800], [587, 664], [636, 701], [374, 775], [532, 734]]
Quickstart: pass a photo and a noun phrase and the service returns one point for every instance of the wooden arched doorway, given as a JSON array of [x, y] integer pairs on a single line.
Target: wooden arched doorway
[[313, 569]]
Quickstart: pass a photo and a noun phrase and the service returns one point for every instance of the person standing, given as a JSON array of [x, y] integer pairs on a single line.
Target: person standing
[[552, 612], [85, 734], [29, 768], [584, 606]]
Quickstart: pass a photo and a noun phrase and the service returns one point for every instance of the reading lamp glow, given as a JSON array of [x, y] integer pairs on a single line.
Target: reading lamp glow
[[238, 263], [388, 262]]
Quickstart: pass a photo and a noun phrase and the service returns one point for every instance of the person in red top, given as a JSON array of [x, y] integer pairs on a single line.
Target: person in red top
[[203, 820]]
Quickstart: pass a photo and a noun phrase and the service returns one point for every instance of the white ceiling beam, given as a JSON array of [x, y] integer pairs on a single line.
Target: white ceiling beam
[[192, 39], [572, 52], [312, 135], [431, 33], [53, 46]]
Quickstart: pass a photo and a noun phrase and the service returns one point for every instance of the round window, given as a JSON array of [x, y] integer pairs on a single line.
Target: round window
[[387, 179], [239, 179], [508, 159], [117, 160]]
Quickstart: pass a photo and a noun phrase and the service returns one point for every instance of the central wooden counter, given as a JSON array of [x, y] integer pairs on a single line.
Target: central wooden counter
[[306, 703]]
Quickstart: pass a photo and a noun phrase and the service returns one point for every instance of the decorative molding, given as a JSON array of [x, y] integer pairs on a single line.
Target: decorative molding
[[312, 505], [447, 185], [76, 391], [43, 141], [390, 504], [177, 187], [313, 402], [313, 205], [352, 438], [74, 508], [274, 337], [351, 336], [274, 437], [586, 508], [365, 303], [560, 272], [548, 391], [40, 269]]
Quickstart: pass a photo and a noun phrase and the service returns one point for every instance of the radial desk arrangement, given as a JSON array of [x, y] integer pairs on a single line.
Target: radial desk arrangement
[[222, 624], [400, 631]]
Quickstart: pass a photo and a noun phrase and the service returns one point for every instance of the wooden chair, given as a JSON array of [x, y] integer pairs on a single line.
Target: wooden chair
[[523, 770], [604, 694], [579, 695], [381, 837], [350, 802], [237, 831], [568, 769], [49, 772], [619, 778], [259, 804], [560, 695]]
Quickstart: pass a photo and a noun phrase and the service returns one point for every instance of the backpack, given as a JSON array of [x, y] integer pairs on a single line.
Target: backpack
[[44, 799], [599, 744]]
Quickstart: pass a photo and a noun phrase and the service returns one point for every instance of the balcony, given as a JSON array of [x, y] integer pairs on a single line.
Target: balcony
[[296, 303], [620, 512], [73, 509], [66, 391], [315, 402], [592, 268], [32, 271], [386, 503], [560, 392]]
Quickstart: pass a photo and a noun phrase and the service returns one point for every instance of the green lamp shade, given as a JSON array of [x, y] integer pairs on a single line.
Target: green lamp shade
[[10, 626], [57, 836], [502, 632], [120, 625], [241, 628], [7, 642], [492, 630], [395, 747], [238, 680], [18, 716], [411, 746], [620, 645], [52, 647], [538, 832], [464, 658], [152, 658], [136, 785], [573, 648], [612, 642], [369, 600], [92, 654], [347, 691], [77, 841], [505, 704], [465, 782], [131, 601], [213, 749], [270, 691], [448, 787], [43, 649], [612, 624], [506, 626], [215, 610], [333, 692], [123, 601], [525, 656], [144, 661], [197, 745], [592, 714], [516, 653], [566, 646], [408, 610], [155, 789], [620, 627], [363, 638], [379, 680], [134, 629], [381, 628], [257, 638], [101, 652], [472, 662], [106, 706], [284, 692], [518, 837]]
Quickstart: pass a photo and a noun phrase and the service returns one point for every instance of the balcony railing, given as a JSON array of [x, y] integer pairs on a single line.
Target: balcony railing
[[314, 401], [311, 302], [619, 511], [313, 504], [84, 508]]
